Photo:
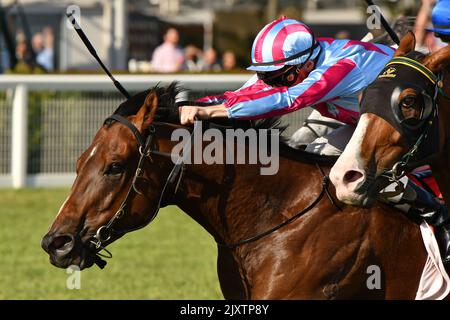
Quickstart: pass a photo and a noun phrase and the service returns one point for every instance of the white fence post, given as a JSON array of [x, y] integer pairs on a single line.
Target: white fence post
[[19, 136]]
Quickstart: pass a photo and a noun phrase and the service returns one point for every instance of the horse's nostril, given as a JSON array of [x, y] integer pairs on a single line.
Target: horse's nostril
[[59, 245], [352, 176], [59, 242]]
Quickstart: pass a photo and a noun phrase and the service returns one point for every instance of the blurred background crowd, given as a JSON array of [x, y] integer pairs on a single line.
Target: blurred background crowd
[[170, 57], [167, 36]]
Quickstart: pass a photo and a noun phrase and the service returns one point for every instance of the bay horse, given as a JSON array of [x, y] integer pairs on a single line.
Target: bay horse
[[279, 236], [409, 127]]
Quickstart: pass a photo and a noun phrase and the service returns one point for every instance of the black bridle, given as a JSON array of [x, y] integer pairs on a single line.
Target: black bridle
[[105, 232]]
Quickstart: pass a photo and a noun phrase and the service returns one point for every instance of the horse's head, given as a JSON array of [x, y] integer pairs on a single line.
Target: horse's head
[[398, 122], [108, 187]]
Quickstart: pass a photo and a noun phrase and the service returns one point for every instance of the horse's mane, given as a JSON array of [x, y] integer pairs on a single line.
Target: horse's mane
[[168, 112]]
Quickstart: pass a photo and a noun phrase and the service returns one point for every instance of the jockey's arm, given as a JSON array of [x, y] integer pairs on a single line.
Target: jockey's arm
[[326, 83], [188, 114]]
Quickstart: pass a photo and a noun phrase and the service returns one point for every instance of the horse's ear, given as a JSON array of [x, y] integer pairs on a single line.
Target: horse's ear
[[147, 112], [438, 60], [407, 44]]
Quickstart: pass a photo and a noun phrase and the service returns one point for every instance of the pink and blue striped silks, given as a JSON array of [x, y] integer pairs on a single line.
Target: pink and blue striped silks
[[344, 68]]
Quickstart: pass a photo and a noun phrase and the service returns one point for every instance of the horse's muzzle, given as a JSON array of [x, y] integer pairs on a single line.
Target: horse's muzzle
[[59, 247], [58, 244], [64, 250]]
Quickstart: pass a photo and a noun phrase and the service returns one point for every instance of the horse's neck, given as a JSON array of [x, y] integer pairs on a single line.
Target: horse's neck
[[216, 197], [235, 202]]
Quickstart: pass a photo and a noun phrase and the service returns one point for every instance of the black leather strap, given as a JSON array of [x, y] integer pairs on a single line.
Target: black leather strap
[[131, 126]]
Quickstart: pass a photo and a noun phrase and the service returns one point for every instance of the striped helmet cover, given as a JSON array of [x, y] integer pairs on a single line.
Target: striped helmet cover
[[280, 40]]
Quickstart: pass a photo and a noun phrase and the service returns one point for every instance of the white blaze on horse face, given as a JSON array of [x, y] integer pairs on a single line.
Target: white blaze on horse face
[[351, 161], [94, 150], [91, 154], [62, 206]]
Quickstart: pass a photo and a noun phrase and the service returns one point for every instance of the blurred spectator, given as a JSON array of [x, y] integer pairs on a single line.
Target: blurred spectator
[[192, 56], [168, 57], [343, 34], [23, 54], [37, 42], [209, 61], [426, 41], [42, 43], [228, 60], [45, 55]]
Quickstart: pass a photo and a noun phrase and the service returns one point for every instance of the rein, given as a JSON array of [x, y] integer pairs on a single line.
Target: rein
[[325, 184]]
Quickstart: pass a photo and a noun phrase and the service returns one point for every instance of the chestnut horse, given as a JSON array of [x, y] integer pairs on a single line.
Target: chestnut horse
[[318, 250], [407, 127]]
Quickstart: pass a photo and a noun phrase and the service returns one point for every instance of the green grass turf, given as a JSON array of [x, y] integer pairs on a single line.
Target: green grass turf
[[173, 258]]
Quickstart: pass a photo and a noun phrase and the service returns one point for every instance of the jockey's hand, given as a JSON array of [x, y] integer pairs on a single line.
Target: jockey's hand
[[188, 114]]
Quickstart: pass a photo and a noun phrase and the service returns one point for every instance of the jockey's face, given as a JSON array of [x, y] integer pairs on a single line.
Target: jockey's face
[[288, 76]]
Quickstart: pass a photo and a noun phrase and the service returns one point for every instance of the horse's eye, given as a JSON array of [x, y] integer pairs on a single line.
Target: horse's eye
[[114, 169], [408, 101]]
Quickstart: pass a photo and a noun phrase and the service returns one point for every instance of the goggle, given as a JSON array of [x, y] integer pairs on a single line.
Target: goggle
[[276, 78]]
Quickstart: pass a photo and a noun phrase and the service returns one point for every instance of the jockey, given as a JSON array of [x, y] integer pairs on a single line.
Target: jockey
[[294, 70], [441, 20]]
